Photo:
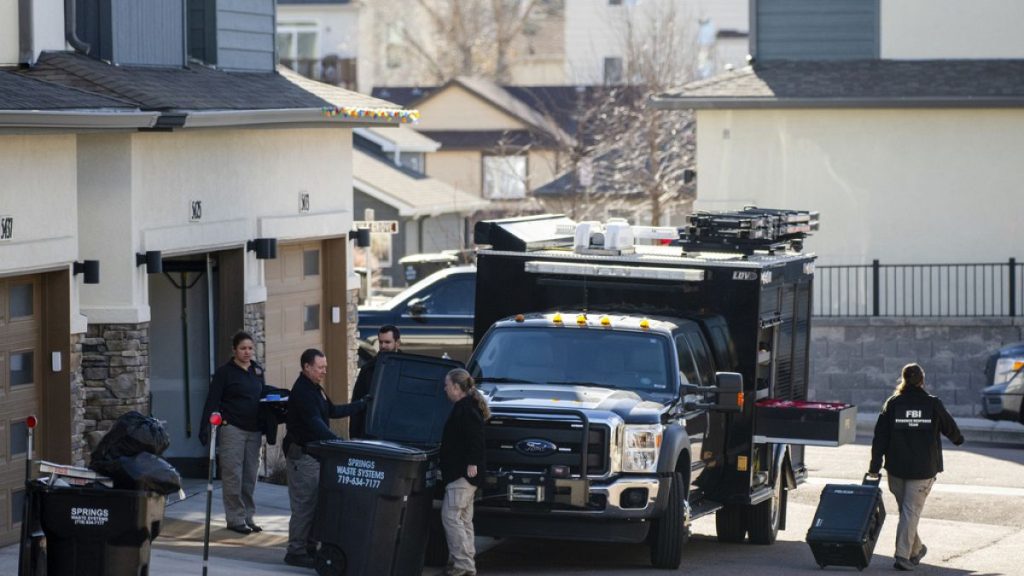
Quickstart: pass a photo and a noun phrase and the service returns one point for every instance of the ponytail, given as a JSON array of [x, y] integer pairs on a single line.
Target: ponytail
[[464, 381], [912, 376]]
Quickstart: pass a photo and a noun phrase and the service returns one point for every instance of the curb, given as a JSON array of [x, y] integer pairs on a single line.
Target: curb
[[973, 429]]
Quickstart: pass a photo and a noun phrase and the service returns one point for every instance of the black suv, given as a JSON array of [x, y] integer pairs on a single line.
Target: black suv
[[435, 314]]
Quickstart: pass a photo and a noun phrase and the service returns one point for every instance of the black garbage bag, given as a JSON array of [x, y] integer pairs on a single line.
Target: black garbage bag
[[144, 471], [131, 434]]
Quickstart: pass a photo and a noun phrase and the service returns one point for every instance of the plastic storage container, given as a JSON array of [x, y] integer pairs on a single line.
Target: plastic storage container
[[805, 423]]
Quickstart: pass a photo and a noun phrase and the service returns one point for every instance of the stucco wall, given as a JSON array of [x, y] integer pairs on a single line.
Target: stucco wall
[[38, 191], [923, 29], [459, 168], [451, 108], [137, 189], [903, 186]]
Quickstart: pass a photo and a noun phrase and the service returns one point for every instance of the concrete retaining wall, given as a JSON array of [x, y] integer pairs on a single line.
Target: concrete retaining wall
[[858, 360]]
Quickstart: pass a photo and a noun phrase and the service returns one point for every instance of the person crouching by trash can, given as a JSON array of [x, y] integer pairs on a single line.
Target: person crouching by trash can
[[235, 392], [907, 435], [462, 468], [309, 414]]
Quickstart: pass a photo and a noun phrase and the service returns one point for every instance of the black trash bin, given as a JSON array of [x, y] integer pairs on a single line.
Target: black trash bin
[[96, 531], [376, 496]]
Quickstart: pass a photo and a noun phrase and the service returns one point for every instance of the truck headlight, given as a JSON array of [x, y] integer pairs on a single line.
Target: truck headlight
[[640, 448]]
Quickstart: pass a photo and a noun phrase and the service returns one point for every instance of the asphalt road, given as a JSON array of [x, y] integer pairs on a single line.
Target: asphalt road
[[972, 526]]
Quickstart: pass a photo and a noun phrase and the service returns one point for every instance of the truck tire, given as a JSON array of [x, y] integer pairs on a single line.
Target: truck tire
[[437, 542], [731, 523], [764, 518], [670, 532]]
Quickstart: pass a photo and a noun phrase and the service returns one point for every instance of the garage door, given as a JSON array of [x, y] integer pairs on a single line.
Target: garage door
[[294, 312], [20, 371]]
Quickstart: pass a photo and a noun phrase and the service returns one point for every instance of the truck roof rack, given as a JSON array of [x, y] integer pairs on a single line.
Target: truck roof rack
[[747, 231]]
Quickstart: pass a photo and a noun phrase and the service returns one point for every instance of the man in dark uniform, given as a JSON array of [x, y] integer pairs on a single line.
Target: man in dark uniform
[[907, 436], [309, 414], [388, 340]]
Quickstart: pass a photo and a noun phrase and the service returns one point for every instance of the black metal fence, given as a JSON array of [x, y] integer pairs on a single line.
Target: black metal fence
[[877, 289]]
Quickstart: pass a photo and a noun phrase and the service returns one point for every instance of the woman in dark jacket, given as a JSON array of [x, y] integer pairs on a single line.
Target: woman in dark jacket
[[462, 468], [907, 437], [235, 392]]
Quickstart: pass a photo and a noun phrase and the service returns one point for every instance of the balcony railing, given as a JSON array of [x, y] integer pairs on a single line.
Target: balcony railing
[[901, 290]]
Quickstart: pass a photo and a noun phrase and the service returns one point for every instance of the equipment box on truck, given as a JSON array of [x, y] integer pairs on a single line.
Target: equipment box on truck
[[623, 366]]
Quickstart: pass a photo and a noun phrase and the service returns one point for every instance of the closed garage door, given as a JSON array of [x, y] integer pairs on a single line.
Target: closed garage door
[[20, 378], [294, 313]]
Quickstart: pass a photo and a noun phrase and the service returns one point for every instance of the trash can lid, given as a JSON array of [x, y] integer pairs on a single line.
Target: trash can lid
[[370, 448], [409, 403]]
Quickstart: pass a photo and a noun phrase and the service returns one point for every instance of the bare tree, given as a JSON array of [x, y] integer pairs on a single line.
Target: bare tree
[[629, 157], [466, 37]]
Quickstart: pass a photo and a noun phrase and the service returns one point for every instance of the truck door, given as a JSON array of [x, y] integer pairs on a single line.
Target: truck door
[[695, 368]]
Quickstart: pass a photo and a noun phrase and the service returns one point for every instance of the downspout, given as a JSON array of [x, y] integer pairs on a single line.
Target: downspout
[[71, 27], [26, 48]]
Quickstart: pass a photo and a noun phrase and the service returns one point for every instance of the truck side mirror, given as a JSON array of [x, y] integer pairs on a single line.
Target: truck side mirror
[[417, 306], [729, 396]]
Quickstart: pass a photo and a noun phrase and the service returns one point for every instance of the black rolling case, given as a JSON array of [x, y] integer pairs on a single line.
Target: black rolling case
[[846, 524]]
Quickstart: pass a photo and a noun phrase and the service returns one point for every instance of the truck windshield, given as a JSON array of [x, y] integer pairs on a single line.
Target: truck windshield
[[636, 361]]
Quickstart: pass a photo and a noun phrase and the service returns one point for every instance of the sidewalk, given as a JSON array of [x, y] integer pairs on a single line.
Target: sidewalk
[[973, 429], [179, 548]]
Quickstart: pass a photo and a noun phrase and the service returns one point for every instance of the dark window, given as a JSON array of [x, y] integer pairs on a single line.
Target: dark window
[[22, 368], [17, 503], [700, 354], [687, 365], [613, 70], [311, 263], [19, 438], [312, 320], [451, 298], [21, 305]]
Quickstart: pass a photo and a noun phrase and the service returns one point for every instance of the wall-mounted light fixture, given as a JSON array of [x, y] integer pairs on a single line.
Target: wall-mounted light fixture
[[361, 236], [152, 259], [265, 248], [89, 269]]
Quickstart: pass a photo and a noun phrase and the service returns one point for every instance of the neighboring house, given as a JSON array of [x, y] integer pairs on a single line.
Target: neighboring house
[[388, 178], [323, 40], [901, 122], [893, 134], [130, 151], [492, 143]]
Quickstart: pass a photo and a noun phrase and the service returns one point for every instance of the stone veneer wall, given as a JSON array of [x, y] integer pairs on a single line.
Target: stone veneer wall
[[352, 314], [253, 323], [115, 377], [77, 401], [858, 360]]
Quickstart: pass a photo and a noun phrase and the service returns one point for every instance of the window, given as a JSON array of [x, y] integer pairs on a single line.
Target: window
[[504, 177], [452, 298], [686, 363], [413, 161], [19, 438], [613, 70], [311, 263], [700, 354], [312, 319], [17, 503], [380, 245], [22, 304], [22, 364], [298, 47]]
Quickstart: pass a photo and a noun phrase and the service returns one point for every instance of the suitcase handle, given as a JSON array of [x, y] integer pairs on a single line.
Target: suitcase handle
[[872, 479]]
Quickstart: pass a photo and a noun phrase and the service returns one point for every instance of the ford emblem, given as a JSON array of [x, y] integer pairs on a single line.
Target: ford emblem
[[536, 447]]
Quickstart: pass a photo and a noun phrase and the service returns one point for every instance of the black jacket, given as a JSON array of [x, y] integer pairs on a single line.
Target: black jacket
[[462, 442], [310, 411], [235, 393], [907, 435], [357, 423]]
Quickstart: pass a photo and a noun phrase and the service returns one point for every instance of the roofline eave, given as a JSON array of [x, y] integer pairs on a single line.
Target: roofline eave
[[77, 119], [406, 210], [756, 103], [275, 116]]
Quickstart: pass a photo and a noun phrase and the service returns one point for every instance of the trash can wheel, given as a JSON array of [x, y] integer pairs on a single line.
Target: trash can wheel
[[330, 561]]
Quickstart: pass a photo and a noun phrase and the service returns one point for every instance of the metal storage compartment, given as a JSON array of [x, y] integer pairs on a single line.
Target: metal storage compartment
[[804, 423]]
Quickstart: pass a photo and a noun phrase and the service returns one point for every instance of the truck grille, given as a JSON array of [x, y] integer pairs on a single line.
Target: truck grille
[[555, 442]]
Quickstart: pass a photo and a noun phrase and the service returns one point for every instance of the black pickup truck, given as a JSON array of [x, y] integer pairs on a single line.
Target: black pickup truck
[[624, 380]]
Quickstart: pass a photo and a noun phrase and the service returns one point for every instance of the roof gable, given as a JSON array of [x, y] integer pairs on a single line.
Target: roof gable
[[449, 108]]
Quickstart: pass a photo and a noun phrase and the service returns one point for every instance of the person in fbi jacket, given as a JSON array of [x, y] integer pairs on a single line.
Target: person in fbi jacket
[[907, 436], [309, 414]]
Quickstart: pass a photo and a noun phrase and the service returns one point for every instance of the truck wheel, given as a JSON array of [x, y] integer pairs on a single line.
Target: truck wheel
[[670, 532], [766, 517], [437, 543], [731, 523]]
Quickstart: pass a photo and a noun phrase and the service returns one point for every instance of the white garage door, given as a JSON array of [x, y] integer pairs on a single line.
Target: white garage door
[[20, 378], [294, 312]]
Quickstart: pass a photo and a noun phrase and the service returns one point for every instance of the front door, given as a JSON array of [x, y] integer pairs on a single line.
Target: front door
[[20, 381]]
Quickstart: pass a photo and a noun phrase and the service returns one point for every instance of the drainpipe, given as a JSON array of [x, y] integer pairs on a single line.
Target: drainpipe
[[26, 44], [71, 27]]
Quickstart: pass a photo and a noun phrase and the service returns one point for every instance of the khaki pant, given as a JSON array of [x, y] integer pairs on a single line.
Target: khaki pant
[[239, 452], [910, 497], [303, 486], [457, 518]]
